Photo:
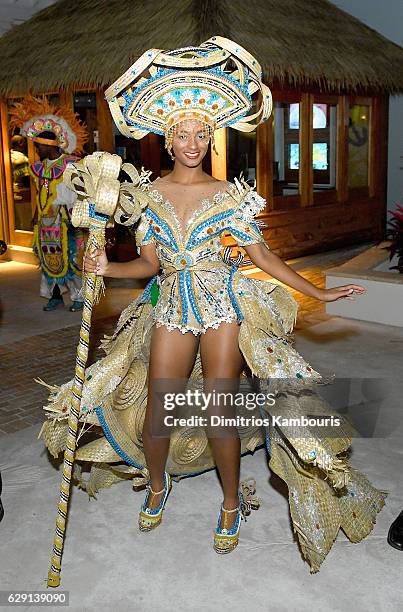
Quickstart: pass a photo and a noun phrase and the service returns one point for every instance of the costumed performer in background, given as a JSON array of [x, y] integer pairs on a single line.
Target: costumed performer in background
[[59, 247]]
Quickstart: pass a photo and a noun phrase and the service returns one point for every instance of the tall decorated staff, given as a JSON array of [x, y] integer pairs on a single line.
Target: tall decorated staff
[[101, 200]]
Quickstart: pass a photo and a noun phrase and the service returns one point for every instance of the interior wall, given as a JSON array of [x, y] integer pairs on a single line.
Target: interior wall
[[387, 19]]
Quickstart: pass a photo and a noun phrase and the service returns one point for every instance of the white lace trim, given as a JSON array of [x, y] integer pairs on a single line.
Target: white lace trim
[[251, 205], [206, 203], [196, 331]]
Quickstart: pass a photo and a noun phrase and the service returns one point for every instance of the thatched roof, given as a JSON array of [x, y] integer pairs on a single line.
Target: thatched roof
[[299, 43]]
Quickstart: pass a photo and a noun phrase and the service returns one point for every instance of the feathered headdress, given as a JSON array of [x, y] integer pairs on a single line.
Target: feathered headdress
[[36, 115]]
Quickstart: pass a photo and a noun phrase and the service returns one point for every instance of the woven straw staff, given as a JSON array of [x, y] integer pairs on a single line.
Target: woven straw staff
[[100, 196]]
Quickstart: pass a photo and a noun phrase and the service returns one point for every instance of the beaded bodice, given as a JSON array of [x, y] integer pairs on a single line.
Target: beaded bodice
[[195, 281]]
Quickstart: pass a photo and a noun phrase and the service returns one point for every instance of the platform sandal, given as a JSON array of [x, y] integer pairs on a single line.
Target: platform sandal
[[150, 518], [226, 539]]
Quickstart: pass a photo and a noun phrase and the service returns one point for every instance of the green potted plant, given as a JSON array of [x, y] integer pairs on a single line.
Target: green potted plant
[[395, 233]]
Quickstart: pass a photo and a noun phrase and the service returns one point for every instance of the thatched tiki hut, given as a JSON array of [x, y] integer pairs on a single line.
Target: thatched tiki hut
[[321, 159]]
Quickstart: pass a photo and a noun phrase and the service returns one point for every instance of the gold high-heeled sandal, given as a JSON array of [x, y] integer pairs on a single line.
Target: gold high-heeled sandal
[[150, 518], [226, 540]]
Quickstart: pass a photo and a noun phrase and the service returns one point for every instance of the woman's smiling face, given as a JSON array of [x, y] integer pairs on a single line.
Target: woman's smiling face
[[190, 142]]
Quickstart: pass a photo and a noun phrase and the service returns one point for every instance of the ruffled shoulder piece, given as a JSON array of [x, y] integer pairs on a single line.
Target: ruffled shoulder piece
[[249, 203]]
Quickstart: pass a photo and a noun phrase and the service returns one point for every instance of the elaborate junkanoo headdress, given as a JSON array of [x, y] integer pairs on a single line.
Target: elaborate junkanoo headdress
[[37, 115], [212, 83]]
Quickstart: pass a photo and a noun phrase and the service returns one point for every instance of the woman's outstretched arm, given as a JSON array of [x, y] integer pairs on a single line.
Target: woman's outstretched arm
[[145, 266], [269, 262]]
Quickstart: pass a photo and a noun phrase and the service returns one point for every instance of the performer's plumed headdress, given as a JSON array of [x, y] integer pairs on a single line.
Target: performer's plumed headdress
[[212, 83], [37, 115]]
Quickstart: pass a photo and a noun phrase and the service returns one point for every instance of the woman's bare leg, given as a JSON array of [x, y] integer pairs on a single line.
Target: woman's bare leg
[[222, 364], [172, 356]]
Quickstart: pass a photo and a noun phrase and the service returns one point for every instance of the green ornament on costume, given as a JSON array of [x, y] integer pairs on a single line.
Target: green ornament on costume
[[154, 293]]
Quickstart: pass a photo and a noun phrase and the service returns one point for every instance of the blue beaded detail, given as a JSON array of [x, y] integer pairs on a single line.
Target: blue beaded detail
[[164, 72], [192, 298], [193, 241], [148, 235], [112, 441], [95, 215], [242, 235], [172, 244], [182, 257], [231, 293], [183, 297]]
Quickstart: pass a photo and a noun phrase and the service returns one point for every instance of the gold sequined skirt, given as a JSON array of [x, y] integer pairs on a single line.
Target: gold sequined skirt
[[325, 493]]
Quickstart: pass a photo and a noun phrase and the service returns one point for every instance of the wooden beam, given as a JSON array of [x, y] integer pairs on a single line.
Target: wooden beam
[[373, 135], [305, 148], [383, 106], [66, 98], [151, 153], [4, 232], [378, 155], [8, 175], [378, 146], [219, 159], [342, 149], [33, 157], [104, 124], [265, 161]]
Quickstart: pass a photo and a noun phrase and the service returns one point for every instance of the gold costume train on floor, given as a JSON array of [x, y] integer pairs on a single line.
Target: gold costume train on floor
[[325, 492]]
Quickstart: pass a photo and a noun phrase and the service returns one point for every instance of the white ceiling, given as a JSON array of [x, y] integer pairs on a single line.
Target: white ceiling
[[13, 12]]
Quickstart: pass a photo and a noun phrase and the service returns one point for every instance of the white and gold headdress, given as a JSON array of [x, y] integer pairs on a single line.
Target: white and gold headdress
[[212, 83]]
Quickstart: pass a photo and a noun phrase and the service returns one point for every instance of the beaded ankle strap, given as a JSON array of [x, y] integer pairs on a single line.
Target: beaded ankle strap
[[234, 510], [156, 492]]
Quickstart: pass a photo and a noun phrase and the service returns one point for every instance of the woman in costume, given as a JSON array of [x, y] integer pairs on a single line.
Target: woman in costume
[[57, 133], [199, 317]]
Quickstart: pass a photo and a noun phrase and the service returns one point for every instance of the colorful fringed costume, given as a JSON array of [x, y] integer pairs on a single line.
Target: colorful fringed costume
[[57, 245], [198, 287]]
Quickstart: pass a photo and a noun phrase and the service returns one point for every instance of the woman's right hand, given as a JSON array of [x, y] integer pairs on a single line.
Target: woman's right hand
[[96, 263]]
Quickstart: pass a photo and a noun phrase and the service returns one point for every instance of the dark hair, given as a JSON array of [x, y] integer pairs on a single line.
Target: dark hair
[[47, 134]]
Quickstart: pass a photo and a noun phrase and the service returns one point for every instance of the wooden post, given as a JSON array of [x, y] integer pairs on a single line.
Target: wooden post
[[378, 156], [264, 160], [305, 147], [4, 229], [66, 98], [342, 149], [33, 157], [8, 175], [104, 124], [219, 159], [378, 145], [151, 153]]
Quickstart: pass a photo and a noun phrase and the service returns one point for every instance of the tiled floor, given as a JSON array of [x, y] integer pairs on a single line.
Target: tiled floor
[[50, 355], [107, 562]]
